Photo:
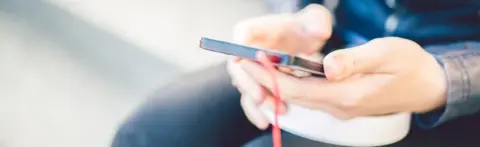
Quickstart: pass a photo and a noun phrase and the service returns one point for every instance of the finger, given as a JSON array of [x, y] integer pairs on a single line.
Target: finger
[[293, 87], [316, 24], [253, 114], [276, 32], [259, 28], [269, 103], [282, 32], [308, 88], [264, 93], [288, 85], [363, 59], [316, 20], [245, 83]]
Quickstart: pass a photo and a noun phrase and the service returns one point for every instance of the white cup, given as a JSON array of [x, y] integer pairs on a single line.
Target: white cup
[[363, 131]]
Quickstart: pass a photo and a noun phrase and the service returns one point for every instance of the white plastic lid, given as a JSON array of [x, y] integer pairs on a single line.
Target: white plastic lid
[[363, 131]]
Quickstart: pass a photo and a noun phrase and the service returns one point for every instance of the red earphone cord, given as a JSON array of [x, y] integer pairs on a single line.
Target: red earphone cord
[[268, 64]]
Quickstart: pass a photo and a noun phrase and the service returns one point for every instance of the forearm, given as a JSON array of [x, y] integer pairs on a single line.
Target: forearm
[[461, 64]]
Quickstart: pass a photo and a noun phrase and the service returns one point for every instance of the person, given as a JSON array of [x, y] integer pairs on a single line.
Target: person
[[391, 56]]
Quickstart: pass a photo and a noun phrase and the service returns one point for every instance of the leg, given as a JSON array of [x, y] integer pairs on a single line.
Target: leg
[[202, 109]]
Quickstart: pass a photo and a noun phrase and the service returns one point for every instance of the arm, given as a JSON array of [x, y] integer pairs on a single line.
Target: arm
[[461, 64]]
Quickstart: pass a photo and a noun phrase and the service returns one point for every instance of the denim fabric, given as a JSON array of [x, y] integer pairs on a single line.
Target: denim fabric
[[462, 67]]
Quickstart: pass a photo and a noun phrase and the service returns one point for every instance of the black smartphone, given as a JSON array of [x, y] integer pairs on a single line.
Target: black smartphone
[[280, 58]]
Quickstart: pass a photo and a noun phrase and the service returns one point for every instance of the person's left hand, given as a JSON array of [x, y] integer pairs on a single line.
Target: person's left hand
[[383, 76]]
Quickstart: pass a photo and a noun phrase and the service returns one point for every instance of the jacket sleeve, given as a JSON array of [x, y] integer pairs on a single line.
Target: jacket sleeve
[[461, 64]]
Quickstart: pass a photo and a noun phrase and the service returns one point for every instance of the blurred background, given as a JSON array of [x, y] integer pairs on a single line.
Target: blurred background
[[72, 70]]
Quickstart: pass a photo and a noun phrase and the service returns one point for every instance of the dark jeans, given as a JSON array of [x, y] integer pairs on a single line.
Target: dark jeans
[[203, 109]]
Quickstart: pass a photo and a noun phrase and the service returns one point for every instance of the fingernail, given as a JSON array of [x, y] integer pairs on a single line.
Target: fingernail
[[332, 70]]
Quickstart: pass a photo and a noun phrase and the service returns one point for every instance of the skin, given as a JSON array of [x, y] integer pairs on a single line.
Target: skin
[[384, 76]]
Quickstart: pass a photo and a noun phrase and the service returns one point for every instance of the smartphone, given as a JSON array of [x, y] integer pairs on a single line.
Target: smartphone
[[280, 59]]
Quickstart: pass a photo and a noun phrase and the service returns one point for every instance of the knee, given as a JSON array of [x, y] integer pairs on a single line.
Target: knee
[[131, 134], [152, 125]]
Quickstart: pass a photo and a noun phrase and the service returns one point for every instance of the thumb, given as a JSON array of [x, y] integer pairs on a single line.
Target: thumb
[[363, 59], [316, 21]]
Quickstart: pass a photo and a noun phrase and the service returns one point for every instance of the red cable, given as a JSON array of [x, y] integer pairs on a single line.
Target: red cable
[[269, 65]]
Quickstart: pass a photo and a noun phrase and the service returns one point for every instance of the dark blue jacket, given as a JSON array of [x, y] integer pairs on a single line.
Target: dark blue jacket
[[448, 29]]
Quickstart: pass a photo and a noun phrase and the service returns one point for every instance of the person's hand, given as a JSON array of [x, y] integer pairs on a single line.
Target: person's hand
[[384, 76], [304, 33]]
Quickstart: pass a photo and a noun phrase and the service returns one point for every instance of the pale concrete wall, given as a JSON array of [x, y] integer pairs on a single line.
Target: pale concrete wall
[[71, 70]]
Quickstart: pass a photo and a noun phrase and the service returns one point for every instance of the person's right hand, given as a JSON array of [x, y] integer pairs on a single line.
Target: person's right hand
[[304, 32]]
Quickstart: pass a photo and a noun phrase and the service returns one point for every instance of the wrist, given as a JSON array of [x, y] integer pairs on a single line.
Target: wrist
[[431, 115], [437, 93]]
